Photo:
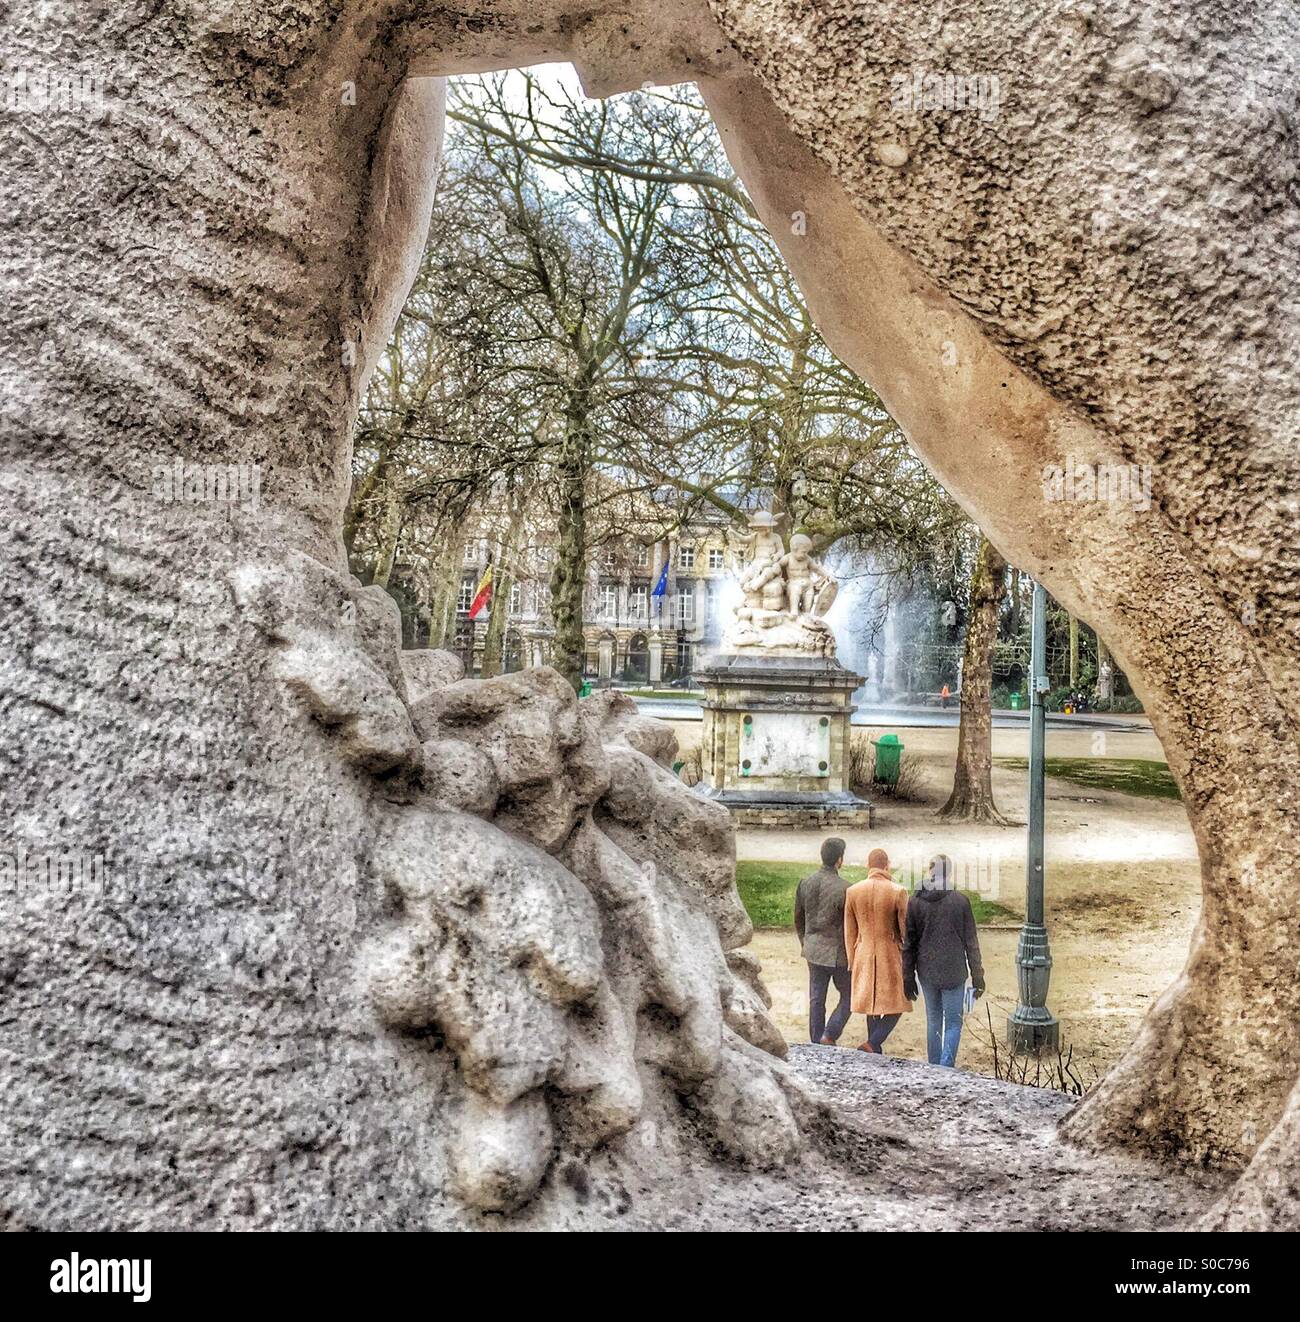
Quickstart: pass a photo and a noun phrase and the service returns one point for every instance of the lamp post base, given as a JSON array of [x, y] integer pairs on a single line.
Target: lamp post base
[[1032, 1030]]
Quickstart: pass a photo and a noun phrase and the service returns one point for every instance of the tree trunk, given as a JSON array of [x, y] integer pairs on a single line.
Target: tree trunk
[[390, 532], [445, 589], [972, 788], [375, 477], [503, 579], [570, 573], [1074, 653]]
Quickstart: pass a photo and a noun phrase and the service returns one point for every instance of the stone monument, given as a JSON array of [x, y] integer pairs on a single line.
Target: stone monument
[[777, 708]]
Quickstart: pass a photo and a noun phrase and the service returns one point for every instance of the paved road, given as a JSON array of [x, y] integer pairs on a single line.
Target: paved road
[[688, 709]]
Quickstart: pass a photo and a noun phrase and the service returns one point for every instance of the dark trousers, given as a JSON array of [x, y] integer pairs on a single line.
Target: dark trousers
[[820, 977], [879, 1027]]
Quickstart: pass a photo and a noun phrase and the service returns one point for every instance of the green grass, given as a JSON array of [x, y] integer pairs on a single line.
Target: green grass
[[767, 892], [1130, 775]]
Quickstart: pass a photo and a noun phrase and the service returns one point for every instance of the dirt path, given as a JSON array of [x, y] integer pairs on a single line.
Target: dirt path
[[1123, 893]]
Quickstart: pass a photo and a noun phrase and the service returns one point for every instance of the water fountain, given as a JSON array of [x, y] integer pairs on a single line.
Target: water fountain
[[778, 704]]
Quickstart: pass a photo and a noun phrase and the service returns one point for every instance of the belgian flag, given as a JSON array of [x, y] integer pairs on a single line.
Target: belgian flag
[[483, 595]]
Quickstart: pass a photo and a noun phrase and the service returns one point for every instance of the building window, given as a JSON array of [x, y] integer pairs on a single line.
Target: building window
[[516, 598], [716, 558], [642, 559], [471, 553], [686, 608], [685, 557], [608, 601], [637, 599], [465, 599]]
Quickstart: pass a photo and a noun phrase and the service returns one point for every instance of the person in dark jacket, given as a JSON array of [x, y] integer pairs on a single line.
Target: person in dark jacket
[[819, 921], [940, 947]]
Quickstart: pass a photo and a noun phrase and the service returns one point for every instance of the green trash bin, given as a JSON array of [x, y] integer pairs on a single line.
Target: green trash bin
[[585, 690], [889, 755], [1015, 702]]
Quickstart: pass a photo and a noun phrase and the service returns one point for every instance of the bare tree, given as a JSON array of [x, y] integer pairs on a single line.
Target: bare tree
[[753, 398], [972, 790], [570, 261]]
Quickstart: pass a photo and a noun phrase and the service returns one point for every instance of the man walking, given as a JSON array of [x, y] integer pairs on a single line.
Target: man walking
[[940, 948], [819, 921], [875, 923]]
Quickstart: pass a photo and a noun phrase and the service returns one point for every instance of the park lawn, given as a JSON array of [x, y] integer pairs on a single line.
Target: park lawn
[[1144, 777], [767, 892]]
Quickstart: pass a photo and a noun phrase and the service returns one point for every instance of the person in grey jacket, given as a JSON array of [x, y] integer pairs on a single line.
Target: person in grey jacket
[[819, 921], [941, 946]]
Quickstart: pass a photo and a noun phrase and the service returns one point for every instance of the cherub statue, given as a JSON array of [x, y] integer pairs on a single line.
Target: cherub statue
[[762, 583], [809, 588], [762, 542], [784, 594]]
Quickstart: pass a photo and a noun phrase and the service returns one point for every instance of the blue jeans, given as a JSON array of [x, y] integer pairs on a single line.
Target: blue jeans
[[942, 1022], [820, 976]]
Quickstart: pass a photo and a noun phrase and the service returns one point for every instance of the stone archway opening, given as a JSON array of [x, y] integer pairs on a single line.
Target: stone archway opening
[[1108, 1002], [600, 663]]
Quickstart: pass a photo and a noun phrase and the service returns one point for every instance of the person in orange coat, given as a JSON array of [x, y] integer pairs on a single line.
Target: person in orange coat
[[875, 926]]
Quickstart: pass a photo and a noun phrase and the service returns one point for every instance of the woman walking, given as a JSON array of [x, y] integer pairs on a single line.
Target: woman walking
[[941, 945], [875, 918]]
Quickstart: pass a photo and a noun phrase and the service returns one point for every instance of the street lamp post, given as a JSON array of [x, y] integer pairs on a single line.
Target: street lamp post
[[1033, 1027]]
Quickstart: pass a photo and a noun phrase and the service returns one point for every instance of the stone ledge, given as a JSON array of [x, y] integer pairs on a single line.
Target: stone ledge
[[792, 818], [782, 672]]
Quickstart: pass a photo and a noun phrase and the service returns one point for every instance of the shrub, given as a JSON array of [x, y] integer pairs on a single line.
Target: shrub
[[1058, 1071], [862, 762], [1128, 703]]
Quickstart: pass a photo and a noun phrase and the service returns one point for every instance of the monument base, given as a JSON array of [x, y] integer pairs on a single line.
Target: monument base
[[794, 811], [775, 740]]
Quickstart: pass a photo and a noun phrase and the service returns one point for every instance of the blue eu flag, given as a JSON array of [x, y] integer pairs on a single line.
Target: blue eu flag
[[662, 586]]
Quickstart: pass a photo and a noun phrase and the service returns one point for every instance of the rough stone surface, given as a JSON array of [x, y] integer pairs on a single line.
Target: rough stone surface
[[273, 1009], [901, 1145]]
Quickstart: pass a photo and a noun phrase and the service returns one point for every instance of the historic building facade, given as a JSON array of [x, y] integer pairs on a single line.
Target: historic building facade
[[632, 636]]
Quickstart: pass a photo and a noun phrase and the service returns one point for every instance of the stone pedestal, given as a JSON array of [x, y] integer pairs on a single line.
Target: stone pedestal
[[775, 740]]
